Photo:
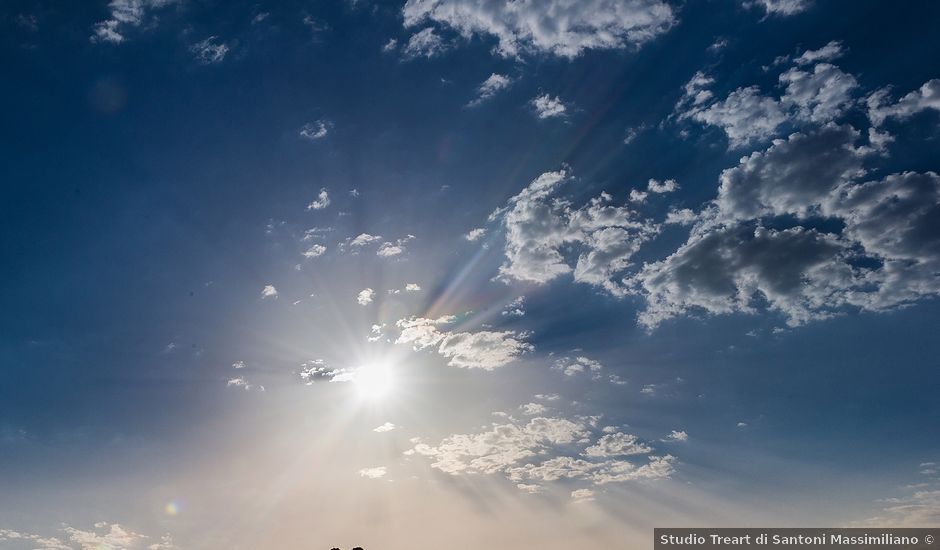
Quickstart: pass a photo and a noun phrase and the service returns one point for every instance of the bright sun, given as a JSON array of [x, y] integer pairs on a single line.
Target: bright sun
[[374, 381]]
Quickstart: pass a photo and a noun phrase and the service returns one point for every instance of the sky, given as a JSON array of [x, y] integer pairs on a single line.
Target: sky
[[465, 274]]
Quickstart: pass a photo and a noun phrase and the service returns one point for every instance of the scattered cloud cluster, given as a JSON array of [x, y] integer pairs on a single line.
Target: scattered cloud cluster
[[515, 308], [538, 225], [103, 535], [545, 449], [484, 349], [547, 106], [920, 507], [564, 28], [125, 15]]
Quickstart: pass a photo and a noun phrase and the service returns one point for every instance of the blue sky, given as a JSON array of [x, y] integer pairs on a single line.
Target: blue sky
[[397, 274]]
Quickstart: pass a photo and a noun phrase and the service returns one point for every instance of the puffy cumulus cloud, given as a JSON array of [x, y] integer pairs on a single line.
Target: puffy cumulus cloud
[[483, 349], [389, 249], [268, 292], [315, 251], [209, 51], [412, 287], [365, 296], [886, 254], [780, 7], [572, 366], [538, 225], [617, 444], [532, 409], [490, 87], [374, 472], [811, 96], [656, 186], [745, 115], [386, 427], [33, 539], [363, 239], [124, 15], [546, 106], [515, 308], [881, 108], [475, 234], [545, 449], [792, 175], [799, 272], [564, 28], [315, 130], [316, 370], [677, 435], [321, 202], [818, 96], [425, 43]]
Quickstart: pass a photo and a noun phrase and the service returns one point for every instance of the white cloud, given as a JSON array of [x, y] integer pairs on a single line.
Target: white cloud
[[559, 27], [677, 435], [745, 116], [572, 366], [490, 87], [532, 409], [684, 216], [617, 444], [386, 427], [926, 97], [538, 225], [363, 239], [322, 201], [485, 349], [315, 130], [209, 51], [268, 292], [819, 96], [780, 7], [316, 370], [125, 14], [412, 287], [425, 43], [547, 396], [315, 251], [832, 50], [390, 46], [582, 495], [373, 473], [365, 296], [515, 308], [388, 250], [656, 186], [238, 365], [547, 106], [475, 234]]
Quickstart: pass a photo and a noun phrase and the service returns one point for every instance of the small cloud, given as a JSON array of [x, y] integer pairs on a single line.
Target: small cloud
[[390, 46], [260, 17], [315, 130], [315, 251], [373, 473], [532, 409], [240, 382], [390, 249], [387, 427], [425, 43], [649, 389], [638, 196], [582, 495], [742, 424], [530, 488], [547, 106], [268, 292], [323, 200], [515, 308], [238, 365], [375, 334], [412, 287], [363, 239], [577, 365], [354, 193], [365, 296], [475, 234], [490, 87], [547, 396], [656, 186], [677, 435], [209, 51]]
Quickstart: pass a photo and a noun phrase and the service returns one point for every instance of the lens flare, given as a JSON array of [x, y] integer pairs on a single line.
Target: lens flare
[[374, 381]]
